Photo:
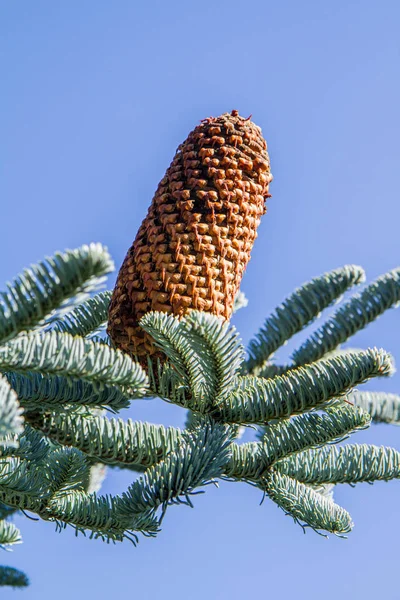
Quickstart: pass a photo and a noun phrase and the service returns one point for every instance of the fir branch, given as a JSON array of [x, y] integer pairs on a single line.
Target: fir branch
[[167, 383], [382, 406], [257, 400], [55, 353], [357, 313], [19, 478], [49, 285], [11, 420], [66, 470], [300, 309], [111, 441], [53, 492], [13, 577], [49, 392], [352, 464], [85, 318], [23, 487], [309, 431], [6, 511], [169, 335], [31, 445], [306, 505], [219, 342], [252, 461], [194, 420], [204, 351], [102, 516], [9, 534], [245, 463], [24, 501], [199, 458]]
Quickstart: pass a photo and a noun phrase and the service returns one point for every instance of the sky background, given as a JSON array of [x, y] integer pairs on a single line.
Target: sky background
[[96, 97]]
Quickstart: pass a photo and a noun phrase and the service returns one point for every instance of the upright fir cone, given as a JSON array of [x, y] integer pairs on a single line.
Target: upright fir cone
[[193, 246]]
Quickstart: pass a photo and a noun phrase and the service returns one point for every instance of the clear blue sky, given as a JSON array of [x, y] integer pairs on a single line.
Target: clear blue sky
[[96, 96]]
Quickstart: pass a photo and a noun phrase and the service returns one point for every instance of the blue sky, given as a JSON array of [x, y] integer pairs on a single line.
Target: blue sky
[[96, 96]]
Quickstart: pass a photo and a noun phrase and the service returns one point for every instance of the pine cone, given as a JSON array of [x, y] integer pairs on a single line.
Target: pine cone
[[195, 242]]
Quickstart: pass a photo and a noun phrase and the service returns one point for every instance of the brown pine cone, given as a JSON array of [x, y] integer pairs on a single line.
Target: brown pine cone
[[193, 246]]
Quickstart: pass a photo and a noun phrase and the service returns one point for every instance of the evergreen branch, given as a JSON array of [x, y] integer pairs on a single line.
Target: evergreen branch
[[11, 420], [199, 458], [6, 511], [348, 464], [101, 515], [49, 285], [357, 313], [111, 441], [252, 461], [167, 383], [66, 470], [309, 431], [31, 446], [195, 420], [246, 462], [9, 534], [13, 577], [53, 492], [23, 486], [300, 309], [383, 407], [217, 342], [169, 335], [257, 400], [306, 505], [17, 477], [86, 317], [49, 392], [25, 501], [188, 353], [55, 353], [205, 352]]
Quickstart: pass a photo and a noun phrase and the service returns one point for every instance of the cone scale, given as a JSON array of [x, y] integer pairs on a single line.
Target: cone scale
[[194, 244]]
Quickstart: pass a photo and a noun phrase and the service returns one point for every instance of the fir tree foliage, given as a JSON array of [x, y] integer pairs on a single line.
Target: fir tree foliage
[[111, 441], [346, 464], [59, 371], [258, 400], [354, 315], [307, 507], [42, 391], [87, 318], [55, 353], [13, 577], [9, 534], [50, 286], [383, 407], [299, 310]]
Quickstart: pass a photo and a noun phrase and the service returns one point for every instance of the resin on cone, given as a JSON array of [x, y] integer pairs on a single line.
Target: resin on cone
[[193, 246]]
